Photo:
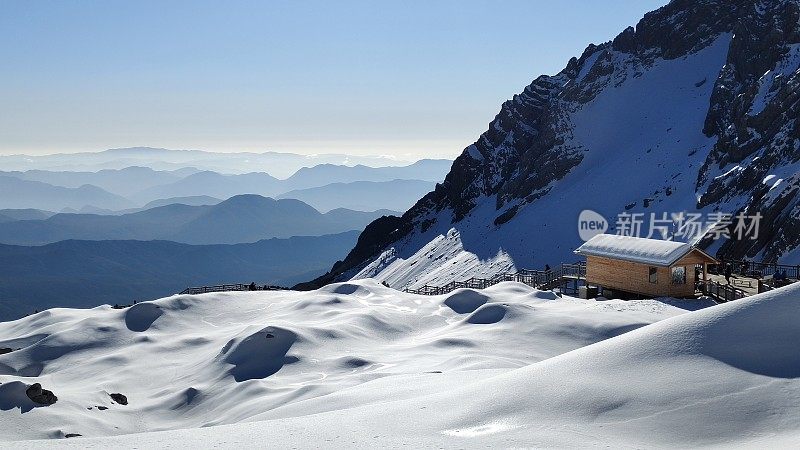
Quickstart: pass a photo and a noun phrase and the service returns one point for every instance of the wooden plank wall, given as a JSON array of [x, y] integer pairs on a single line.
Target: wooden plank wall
[[634, 277]]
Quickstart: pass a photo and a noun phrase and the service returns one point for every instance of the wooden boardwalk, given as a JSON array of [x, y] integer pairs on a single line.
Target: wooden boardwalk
[[567, 277]]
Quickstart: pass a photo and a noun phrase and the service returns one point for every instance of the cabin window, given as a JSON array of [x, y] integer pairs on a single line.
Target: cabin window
[[653, 275], [679, 275]]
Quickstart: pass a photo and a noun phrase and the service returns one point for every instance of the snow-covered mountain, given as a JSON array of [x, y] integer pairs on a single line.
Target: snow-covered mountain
[[693, 111], [360, 365]]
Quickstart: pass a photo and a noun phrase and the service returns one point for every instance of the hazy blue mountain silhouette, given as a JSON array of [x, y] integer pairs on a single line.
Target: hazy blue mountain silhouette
[[397, 195], [89, 273], [242, 218], [20, 193], [11, 215], [192, 200], [308, 177], [124, 182], [213, 184]]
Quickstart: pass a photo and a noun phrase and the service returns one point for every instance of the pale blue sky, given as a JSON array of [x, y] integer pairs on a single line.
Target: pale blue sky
[[414, 79]]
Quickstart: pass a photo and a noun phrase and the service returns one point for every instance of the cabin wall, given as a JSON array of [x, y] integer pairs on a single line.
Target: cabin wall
[[634, 277]]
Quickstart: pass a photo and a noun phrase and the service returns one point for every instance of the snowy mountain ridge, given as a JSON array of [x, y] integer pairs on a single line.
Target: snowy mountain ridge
[[694, 111]]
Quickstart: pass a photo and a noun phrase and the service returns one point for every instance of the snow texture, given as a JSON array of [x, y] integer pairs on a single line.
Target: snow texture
[[187, 362], [726, 376]]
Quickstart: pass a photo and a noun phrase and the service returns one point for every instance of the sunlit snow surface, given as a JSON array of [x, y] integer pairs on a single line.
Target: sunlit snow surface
[[361, 365], [194, 361]]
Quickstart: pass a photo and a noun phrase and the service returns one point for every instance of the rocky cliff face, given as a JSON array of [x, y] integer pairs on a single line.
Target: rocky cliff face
[[693, 110], [754, 114]]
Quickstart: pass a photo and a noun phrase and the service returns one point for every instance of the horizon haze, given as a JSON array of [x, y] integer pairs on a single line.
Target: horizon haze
[[313, 77]]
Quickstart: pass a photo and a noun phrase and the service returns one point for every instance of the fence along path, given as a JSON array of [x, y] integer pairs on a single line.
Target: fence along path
[[228, 287], [569, 276], [566, 276]]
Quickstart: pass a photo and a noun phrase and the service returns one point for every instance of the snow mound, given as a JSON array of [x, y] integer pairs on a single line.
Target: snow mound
[[725, 376], [465, 301], [186, 362], [487, 314], [140, 317], [544, 295], [260, 354], [12, 395]]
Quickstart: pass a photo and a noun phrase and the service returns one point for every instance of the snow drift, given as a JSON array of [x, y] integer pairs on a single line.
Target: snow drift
[[212, 359], [724, 376], [361, 364]]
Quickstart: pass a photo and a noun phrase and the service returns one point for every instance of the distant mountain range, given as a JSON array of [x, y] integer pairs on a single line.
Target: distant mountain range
[[213, 184], [90, 273], [278, 164], [112, 191], [242, 218], [426, 170], [124, 182], [12, 215], [18, 193], [79, 230], [192, 200], [364, 195]]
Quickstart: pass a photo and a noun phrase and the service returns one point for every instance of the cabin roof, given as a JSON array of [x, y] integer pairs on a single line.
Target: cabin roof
[[654, 252]]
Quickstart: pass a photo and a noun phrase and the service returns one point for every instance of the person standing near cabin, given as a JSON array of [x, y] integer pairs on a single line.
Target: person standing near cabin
[[728, 271]]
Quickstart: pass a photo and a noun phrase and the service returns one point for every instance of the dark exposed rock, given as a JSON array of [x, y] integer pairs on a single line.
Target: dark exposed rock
[[102, 408], [506, 216], [40, 396], [72, 435], [119, 398], [4, 350], [759, 138], [625, 41]]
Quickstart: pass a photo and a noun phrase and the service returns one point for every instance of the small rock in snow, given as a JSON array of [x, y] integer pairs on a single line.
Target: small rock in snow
[[40, 396], [119, 398]]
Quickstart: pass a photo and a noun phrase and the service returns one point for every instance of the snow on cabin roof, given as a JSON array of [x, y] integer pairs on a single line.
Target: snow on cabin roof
[[640, 250]]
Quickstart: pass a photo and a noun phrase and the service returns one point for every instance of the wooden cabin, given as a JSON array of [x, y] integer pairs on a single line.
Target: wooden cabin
[[649, 267]]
